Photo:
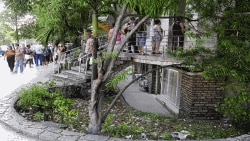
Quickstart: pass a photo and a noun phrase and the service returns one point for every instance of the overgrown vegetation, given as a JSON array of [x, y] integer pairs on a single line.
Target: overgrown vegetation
[[129, 122], [228, 20], [123, 121], [42, 104]]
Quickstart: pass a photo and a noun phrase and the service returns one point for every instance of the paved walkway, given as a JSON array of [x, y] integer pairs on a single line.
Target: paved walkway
[[48, 131]]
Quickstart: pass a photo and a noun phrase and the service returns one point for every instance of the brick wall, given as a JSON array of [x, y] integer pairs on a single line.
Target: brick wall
[[198, 97]]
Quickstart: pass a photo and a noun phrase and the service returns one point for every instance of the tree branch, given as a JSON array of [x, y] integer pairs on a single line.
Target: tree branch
[[109, 63], [110, 67]]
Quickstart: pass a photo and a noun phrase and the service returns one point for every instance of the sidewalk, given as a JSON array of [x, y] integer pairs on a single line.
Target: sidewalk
[[140, 100], [48, 131]]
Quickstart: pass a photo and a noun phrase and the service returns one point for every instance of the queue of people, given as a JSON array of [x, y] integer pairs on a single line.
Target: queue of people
[[137, 41], [125, 30], [21, 56]]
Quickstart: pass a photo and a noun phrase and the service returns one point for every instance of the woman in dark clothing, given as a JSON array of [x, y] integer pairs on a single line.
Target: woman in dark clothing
[[10, 55], [28, 56], [128, 27], [178, 33]]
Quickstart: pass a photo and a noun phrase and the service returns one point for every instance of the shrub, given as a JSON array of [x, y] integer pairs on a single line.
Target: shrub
[[37, 100]]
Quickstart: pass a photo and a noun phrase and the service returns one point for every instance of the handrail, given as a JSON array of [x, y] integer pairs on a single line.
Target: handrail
[[80, 57], [103, 46]]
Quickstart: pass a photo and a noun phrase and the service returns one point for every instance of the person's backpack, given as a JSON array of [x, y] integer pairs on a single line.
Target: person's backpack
[[176, 28], [46, 52]]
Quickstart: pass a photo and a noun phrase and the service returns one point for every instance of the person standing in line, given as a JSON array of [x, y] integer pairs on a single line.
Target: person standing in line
[[89, 48], [51, 47], [118, 37], [178, 30], [55, 52], [62, 49], [10, 55], [28, 56], [39, 54], [46, 56], [19, 58], [32, 48], [128, 27], [141, 36], [157, 38], [24, 48], [90, 42]]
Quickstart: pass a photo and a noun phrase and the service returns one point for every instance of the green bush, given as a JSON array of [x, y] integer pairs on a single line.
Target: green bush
[[236, 107], [37, 99]]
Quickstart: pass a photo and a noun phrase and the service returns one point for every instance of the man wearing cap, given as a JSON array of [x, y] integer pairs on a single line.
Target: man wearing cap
[[90, 42], [89, 47]]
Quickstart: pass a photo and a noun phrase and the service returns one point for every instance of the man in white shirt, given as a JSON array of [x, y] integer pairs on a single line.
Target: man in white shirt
[[90, 42], [89, 47], [39, 54]]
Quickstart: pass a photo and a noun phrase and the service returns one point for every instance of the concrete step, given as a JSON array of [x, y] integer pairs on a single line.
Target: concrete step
[[72, 73], [118, 62], [76, 68], [75, 74], [122, 57], [82, 68], [59, 77], [72, 77]]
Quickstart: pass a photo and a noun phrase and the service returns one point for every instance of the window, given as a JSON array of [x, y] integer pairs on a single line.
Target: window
[[171, 86]]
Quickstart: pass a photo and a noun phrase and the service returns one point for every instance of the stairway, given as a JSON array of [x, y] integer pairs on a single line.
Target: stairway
[[76, 72], [72, 74]]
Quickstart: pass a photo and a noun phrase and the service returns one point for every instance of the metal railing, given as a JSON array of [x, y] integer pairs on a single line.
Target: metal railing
[[83, 58], [168, 42]]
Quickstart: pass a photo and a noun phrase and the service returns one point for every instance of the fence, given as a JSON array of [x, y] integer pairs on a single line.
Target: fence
[[168, 42]]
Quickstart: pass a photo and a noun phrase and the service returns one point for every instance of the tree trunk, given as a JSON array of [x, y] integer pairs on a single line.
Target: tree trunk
[[96, 98], [95, 109], [103, 73], [95, 47], [94, 57]]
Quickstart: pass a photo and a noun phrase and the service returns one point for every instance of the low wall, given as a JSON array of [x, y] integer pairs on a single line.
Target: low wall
[[199, 96]]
